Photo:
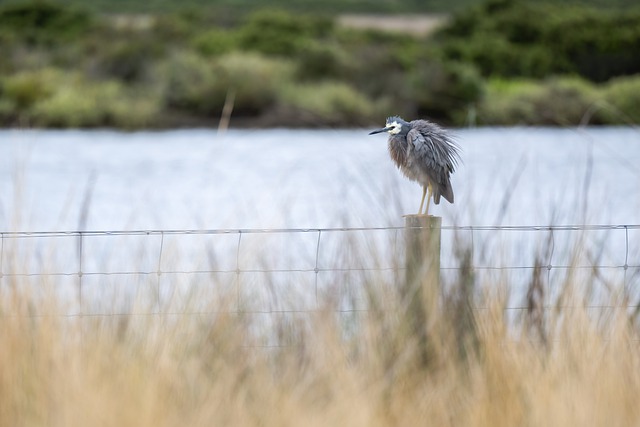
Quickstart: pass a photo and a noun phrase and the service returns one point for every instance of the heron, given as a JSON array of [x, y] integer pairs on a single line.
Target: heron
[[424, 152]]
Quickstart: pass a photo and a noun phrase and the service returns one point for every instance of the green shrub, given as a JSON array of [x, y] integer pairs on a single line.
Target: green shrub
[[190, 85], [44, 21], [127, 59], [569, 101], [8, 112], [215, 42], [442, 90], [25, 89], [281, 33], [200, 86], [508, 102], [557, 101], [254, 79], [320, 61], [513, 38], [180, 26], [328, 104], [78, 102], [622, 96], [496, 56], [597, 45]]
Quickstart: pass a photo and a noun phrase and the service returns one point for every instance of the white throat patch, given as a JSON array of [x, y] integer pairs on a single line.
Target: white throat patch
[[396, 128]]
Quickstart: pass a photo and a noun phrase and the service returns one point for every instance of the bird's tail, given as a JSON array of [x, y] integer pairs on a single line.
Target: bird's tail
[[445, 191]]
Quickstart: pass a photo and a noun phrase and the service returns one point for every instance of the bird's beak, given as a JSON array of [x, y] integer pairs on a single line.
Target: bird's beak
[[388, 128]]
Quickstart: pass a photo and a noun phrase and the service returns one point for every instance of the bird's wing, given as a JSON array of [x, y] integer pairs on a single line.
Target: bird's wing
[[425, 155]]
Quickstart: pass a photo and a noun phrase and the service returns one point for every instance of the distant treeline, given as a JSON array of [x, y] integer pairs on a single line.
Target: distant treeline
[[499, 62], [237, 8]]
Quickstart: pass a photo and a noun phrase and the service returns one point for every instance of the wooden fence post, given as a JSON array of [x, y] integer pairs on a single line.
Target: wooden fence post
[[421, 288]]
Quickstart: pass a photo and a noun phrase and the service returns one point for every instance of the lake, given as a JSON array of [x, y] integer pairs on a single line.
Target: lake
[[187, 179]]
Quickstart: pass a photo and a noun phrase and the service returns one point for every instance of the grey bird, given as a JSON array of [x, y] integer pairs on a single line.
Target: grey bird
[[424, 152]]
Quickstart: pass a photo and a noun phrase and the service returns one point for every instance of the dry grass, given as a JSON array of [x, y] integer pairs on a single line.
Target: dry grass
[[482, 368]]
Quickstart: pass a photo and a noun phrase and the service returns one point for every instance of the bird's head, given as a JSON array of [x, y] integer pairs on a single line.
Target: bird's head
[[394, 125]]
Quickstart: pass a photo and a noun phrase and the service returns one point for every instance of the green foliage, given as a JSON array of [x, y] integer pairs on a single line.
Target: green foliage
[[564, 102], [201, 86], [237, 8], [127, 59], [78, 102], [494, 55], [215, 42], [330, 103], [622, 96], [281, 33], [23, 90], [190, 85], [598, 45], [526, 39], [318, 61], [43, 21], [51, 97], [64, 67], [442, 90], [255, 81], [183, 25]]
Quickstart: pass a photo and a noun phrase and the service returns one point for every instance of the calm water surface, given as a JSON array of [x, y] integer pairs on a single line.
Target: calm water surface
[[304, 178]]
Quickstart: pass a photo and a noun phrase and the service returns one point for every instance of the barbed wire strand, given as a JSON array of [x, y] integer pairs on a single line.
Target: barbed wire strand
[[27, 234], [81, 235]]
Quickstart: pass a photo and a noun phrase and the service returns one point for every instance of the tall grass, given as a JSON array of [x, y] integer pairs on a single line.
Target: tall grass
[[207, 363]]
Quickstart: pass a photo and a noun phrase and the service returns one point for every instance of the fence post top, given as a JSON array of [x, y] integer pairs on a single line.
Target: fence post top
[[422, 221]]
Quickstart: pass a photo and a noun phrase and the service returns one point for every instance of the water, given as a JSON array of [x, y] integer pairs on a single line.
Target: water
[[250, 179], [190, 179]]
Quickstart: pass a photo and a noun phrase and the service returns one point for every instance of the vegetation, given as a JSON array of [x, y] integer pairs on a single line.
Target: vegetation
[[235, 8], [474, 364], [501, 62], [510, 38]]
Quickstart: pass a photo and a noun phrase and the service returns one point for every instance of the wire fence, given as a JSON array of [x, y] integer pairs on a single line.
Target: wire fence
[[288, 271]]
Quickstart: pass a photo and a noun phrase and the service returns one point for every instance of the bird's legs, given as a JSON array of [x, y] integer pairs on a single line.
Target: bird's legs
[[424, 192], [429, 195], [428, 192]]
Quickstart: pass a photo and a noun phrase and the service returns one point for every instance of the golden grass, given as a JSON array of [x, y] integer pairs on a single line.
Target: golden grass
[[483, 367]]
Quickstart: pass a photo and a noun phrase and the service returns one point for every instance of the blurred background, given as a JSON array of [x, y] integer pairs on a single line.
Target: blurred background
[[133, 64]]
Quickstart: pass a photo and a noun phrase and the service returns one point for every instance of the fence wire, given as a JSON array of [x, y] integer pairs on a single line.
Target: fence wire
[[84, 255]]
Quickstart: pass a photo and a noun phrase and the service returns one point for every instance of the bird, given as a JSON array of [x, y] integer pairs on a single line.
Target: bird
[[424, 152]]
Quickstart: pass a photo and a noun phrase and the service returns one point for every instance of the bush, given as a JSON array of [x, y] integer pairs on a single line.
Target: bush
[[25, 89], [78, 102], [509, 102], [568, 101], [254, 79], [128, 59], [622, 96], [496, 56], [320, 61], [326, 104], [442, 90], [199, 86], [597, 45], [281, 33], [558, 101], [189, 85], [215, 42], [512, 38], [44, 21]]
